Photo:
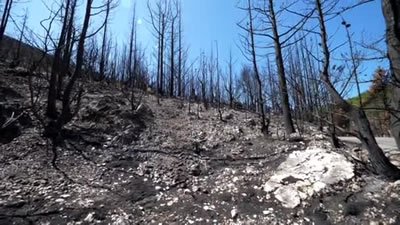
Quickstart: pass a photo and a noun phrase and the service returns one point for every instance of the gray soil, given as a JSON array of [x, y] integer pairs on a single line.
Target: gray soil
[[166, 165]]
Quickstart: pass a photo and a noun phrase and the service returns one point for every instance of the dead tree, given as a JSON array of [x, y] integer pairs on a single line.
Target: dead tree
[[378, 159], [66, 113], [56, 67], [159, 21], [229, 86], [173, 18], [203, 79], [131, 63], [180, 50], [4, 19], [280, 40], [103, 59], [132, 66], [249, 44], [67, 50], [391, 11], [287, 116], [218, 91]]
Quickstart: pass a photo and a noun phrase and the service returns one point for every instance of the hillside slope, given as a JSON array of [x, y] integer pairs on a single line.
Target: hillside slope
[[164, 165]]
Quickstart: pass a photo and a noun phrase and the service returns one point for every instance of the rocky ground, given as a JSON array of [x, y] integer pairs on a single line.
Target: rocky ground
[[165, 165]]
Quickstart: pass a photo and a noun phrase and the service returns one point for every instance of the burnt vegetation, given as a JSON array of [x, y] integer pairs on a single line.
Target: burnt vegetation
[[96, 113]]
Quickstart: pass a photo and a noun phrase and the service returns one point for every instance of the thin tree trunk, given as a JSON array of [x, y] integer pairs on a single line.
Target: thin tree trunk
[[4, 19], [56, 67], [287, 116], [104, 43], [180, 54], [172, 68], [264, 127], [66, 112], [67, 50]]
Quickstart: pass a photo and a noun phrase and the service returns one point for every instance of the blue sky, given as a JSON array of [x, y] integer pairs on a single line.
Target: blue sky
[[207, 21]]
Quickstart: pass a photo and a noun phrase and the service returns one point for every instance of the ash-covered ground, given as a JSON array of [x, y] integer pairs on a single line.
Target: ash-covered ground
[[165, 165]]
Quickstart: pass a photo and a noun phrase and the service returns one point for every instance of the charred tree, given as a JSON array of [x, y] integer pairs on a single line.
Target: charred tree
[[4, 19], [287, 116], [229, 86], [172, 56], [378, 159], [57, 64], [391, 11], [103, 60], [180, 52], [66, 114], [250, 42], [159, 23]]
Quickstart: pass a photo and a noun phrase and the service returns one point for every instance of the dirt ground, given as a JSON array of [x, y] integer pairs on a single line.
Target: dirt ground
[[165, 165]]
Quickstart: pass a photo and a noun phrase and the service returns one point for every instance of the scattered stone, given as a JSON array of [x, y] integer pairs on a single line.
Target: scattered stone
[[158, 188], [234, 213], [89, 218], [65, 196], [207, 208], [269, 211]]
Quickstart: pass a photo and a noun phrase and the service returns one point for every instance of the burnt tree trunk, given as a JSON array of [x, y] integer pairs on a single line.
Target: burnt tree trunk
[[56, 67], [391, 11], [378, 159], [264, 126], [66, 108], [172, 66], [4, 19], [287, 116], [67, 50], [102, 66], [180, 54]]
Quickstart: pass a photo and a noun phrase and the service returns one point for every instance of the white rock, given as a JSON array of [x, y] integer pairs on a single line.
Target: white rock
[[288, 196], [234, 213], [250, 170], [195, 188], [170, 203], [89, 218], [306, 172], [268, 211], [158, 188], [207, 208], [65, 196], [318, 186]]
